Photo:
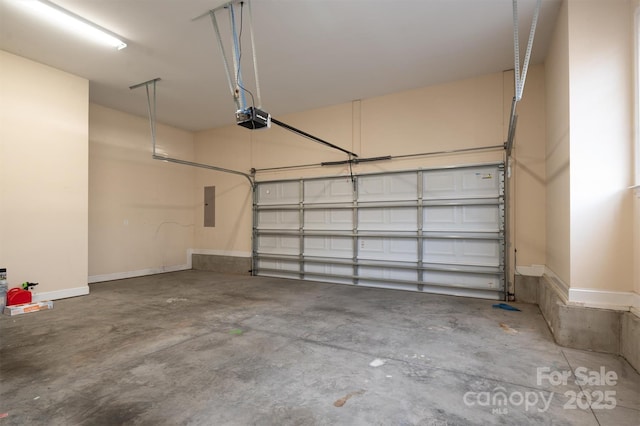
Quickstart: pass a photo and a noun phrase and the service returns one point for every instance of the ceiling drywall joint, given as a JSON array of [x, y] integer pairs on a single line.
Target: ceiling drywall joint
[[151, 108]]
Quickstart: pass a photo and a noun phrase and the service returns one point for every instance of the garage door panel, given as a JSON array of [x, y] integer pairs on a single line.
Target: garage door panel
[[328, 279], [280, 274], [439, 183], [465, 280], [278, 219], [278, 244], [436, 218], [382, 219], [371, 218], [381, 273], [337, 247], [461, 291], [439, 231], [471, 218], [389, 285], [475, 182], [280, 265], [439, 251], [382, 248], [481, 252], [391, 187], [328, 219], [267, 243], [481, 181], [480, 218], [461, 252], [328, 191], [278, 193], [329, 273]]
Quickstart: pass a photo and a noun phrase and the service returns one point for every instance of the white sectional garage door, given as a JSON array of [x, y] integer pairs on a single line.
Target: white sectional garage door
[[436, 230]]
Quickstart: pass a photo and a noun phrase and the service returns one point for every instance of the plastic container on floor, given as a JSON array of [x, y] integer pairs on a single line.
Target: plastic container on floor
[[18, 296]]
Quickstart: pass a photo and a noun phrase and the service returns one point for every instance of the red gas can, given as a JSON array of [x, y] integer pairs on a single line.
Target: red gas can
[[17, 296]]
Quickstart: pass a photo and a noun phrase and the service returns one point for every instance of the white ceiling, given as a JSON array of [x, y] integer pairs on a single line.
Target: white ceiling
[[311, 53]]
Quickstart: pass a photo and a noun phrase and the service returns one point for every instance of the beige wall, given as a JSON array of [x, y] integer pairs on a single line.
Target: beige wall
[[278, 147], [462, 114], [228, 147], [635, 14], [528, 195], [43, 176], [141, 211], [557, 150], [589, 165], [601, 148]]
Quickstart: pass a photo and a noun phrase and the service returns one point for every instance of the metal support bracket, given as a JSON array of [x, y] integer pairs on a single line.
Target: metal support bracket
[[245, 113], [151, 107], [520, 75]]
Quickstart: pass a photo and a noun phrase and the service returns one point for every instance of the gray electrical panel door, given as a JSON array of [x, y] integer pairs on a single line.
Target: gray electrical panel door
[[209, 206], [437, 230]]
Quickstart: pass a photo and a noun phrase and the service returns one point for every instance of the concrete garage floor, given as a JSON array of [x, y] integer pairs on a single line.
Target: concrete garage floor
[[202, 348]]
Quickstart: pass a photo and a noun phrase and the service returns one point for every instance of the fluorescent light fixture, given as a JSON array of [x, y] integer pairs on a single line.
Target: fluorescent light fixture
[[72, 22]]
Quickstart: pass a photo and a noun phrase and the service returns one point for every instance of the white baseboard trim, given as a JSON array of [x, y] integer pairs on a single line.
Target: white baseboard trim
[[152, 271], [588, 298], [560, 287], [531, 270], [138, 273], [602, 299], [61, 294]]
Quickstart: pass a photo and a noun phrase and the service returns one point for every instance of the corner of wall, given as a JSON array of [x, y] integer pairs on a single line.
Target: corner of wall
[[578, 326], [629, 342]]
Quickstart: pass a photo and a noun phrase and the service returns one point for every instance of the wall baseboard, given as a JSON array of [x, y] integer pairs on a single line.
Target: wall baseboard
[[138, 273], [231, 253], [559, 286], [221, 263], [152, 271], [61, 294], [241, 255], [594, 320], [212, 252], [589, 298], [614, 300]]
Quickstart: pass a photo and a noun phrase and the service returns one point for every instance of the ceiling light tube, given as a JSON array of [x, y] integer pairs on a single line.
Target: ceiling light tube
[[72, 22]]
